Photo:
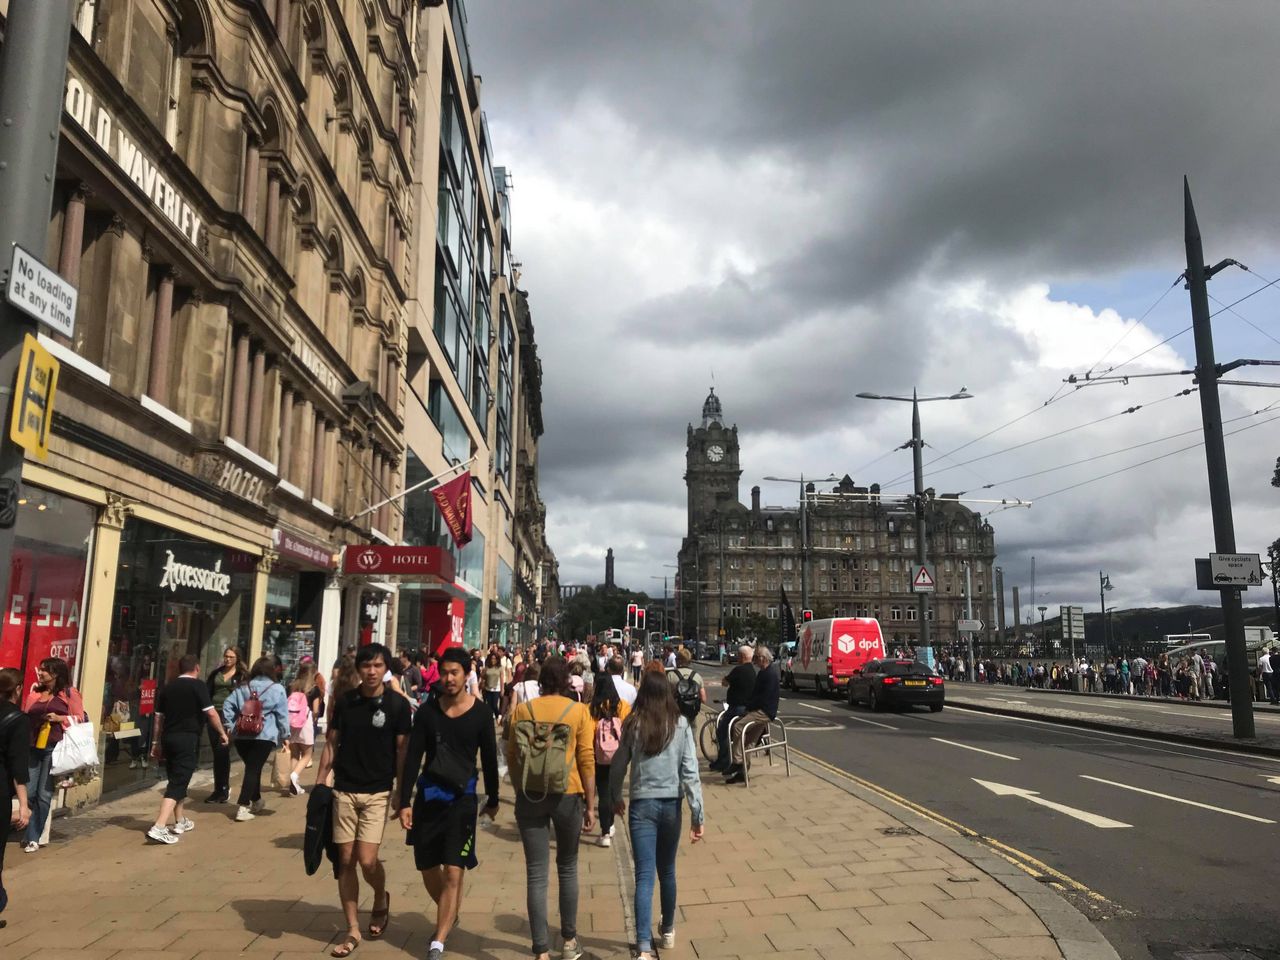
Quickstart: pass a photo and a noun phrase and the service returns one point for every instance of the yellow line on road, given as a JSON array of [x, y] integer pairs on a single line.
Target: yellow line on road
[[1024, 861]]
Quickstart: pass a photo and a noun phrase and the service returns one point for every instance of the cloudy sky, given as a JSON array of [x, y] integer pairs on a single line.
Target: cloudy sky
[[804, 200]]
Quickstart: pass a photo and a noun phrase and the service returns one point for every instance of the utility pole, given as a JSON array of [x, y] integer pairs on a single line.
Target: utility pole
[[1104, 584], [968, 601], [1215, 452], [1273, 554], [804, 548], [1000, 614], [917, 467], [720, 634], [33, 74]]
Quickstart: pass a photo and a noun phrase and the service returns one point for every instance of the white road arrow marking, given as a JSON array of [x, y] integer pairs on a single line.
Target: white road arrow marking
[[1190, 803], [1093, 819], [1275, 780], [965, 746], [812, 706]]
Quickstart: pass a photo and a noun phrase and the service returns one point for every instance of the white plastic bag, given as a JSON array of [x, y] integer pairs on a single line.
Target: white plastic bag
[[77, 748]]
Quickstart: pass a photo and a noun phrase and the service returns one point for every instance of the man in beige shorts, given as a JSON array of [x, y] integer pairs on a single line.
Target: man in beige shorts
[[365, 748]]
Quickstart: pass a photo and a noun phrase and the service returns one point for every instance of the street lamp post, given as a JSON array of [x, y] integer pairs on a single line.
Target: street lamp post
[[1104, 584], [917, 461], [804, 528], [679, 597], [1044, 640]]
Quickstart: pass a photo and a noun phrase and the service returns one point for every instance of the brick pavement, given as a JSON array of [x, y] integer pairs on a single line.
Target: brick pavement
[[797, 868]]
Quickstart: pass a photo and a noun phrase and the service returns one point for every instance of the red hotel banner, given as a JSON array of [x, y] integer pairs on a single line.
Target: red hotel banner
[[454, 500]]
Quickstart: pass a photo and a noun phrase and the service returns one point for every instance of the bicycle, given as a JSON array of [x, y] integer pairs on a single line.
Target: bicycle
[[707, 733]]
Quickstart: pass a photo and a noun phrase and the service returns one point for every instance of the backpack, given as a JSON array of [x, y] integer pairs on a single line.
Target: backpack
[[542, 754], [298, 711], [688, 695], [608, 736], [249, 723]]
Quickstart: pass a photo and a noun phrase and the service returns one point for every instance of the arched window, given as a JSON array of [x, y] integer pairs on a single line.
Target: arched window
[[188, 38]]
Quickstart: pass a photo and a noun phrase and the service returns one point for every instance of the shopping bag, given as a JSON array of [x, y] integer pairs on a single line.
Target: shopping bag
[[77, 748], [283, 767]]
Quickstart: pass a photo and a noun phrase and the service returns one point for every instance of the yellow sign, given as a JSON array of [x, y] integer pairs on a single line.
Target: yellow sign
[[33, 398]]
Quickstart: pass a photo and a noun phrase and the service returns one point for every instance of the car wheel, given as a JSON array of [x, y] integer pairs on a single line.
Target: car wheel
[[935, 707]]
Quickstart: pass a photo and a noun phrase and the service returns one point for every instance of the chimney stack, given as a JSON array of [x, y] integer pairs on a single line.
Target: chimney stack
[[755, 499]]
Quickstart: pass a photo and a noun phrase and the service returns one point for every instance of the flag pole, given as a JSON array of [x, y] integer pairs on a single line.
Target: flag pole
[[408, 490]]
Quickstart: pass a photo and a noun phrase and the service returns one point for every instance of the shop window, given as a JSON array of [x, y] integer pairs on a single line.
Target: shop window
[[44, 607]]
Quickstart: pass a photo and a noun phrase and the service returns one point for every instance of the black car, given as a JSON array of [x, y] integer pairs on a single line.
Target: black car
[[896, 683]]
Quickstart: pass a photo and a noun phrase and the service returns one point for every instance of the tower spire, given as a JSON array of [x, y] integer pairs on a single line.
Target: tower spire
[[712, 412]]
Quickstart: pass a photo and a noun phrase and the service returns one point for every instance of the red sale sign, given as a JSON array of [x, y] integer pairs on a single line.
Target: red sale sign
[[42, 610], [146, 698]]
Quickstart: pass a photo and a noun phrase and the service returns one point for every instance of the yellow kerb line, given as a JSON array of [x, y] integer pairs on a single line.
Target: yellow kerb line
[[1024, 861]]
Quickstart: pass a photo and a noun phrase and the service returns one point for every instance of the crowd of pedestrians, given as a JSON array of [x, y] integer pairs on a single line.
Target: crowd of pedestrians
[[1190, 676], [412, 739]]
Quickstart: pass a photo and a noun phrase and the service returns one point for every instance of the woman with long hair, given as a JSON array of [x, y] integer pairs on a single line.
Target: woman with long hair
[[272, 721], [229, 675], [49, 711], [304, 700], [493, 684], [608, 713], [15, 739], [657, 744]]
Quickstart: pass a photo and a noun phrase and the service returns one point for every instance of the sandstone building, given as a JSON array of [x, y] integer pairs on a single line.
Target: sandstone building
[[858, 549]]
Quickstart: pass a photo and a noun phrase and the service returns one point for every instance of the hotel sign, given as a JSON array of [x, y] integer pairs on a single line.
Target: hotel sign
[[132, 159]]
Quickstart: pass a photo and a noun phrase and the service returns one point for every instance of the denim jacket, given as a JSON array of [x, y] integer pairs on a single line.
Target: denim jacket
[[275, 709], [662, 776]]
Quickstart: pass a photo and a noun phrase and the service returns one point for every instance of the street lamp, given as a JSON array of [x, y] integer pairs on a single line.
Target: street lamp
[[804, 528], [917, 457], [1044, 640], [1104, 584]]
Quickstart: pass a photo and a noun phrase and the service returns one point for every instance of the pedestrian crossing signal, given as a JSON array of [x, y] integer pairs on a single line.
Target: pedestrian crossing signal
[[639, 618], [631, 614], [806, 616]]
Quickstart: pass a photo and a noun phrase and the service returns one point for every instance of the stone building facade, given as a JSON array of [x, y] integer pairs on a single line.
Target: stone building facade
[[857, 547], [232, 202]]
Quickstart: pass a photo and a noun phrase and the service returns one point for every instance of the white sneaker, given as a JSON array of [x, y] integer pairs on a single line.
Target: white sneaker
[[185, 825], [571, 950], [605, 841], [31, 847], [669, 939], [257, 806], [612, 828], [294, 786], [161, 835], [243, 814]]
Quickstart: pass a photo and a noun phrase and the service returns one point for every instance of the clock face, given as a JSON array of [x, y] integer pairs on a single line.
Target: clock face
[[715, 453]]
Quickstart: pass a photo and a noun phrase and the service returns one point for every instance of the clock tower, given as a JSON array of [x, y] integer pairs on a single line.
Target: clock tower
[[711, 463]]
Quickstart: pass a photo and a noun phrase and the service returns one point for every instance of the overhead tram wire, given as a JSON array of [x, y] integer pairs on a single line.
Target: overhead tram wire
[[1143, 463], [1058, 394], [1079, 426], [1241, 316]]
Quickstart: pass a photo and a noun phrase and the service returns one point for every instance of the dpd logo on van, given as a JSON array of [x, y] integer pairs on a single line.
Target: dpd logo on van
[[846, 643], [806, 646]]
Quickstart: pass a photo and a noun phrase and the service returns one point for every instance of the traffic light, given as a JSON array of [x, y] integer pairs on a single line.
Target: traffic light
[[631, 614], [639, 618], [806, 616]]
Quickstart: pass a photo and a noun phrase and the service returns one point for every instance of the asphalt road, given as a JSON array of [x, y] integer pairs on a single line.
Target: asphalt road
[[1182, 842]]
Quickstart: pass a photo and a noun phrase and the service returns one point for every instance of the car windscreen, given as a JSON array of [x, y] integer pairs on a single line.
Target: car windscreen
[[906, 669]]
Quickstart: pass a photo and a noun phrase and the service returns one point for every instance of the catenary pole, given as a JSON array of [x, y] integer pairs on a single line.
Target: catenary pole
[[917, 465], [1215, 452], [33, 73]]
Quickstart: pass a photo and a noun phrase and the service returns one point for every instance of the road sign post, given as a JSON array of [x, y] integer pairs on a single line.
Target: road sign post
[[33, 400]]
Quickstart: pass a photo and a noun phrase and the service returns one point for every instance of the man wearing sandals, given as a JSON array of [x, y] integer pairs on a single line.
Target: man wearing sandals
[[365, 748]]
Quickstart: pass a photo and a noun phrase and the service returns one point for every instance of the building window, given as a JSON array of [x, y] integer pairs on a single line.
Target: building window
[[788, 542], [912, 614], [908, 542], [895, 613], [962, 543], [771, 611], [893, 564], [788, 563]]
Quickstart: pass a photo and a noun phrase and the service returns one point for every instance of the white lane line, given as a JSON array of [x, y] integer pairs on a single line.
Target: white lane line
[[1190, 803], [1147, 742], [965, 746], [811, 706], [873, 723], [1093, 819]]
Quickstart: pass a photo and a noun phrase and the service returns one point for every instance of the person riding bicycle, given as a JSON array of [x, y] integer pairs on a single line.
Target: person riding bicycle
[[741, 680]]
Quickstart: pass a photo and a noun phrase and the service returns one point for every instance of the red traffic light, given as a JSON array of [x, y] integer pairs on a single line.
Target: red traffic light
[[631, 614], [806, 615], [639, 618]]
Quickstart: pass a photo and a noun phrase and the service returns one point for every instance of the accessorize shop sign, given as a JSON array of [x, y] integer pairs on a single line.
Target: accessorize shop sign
[[175, 575], [96, 120]]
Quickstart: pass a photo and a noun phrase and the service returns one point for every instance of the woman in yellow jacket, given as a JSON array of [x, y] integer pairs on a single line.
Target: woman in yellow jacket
[[569, 813]]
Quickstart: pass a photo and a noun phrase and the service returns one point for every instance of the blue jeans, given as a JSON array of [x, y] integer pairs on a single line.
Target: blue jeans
[[655, 838], [39, 792]]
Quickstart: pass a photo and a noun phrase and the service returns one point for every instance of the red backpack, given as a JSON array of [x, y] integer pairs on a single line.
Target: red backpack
[[249, 723], [608, 736]]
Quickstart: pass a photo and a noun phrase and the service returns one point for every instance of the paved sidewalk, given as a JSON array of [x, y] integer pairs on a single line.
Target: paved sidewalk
[[798, 868]]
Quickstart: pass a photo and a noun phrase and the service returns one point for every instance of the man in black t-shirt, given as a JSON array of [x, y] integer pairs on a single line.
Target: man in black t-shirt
[[182, 709], [365, 748], [741, 680]]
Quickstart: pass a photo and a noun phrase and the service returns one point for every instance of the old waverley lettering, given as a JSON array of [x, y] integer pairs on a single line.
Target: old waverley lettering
[[197, 578], [99, 123]]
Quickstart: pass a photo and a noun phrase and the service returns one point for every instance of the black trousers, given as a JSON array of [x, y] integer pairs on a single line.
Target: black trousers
[[255, 754], [221, 763]]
